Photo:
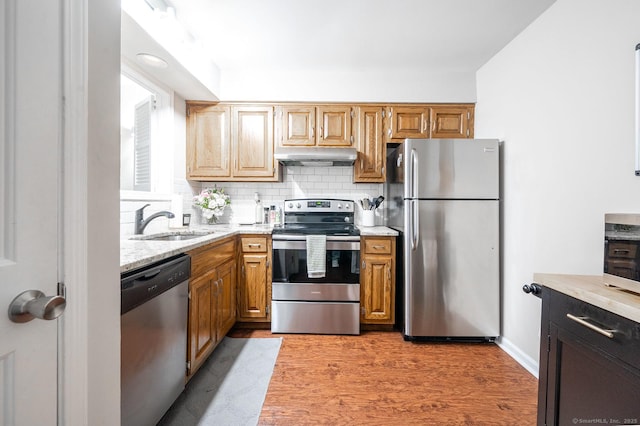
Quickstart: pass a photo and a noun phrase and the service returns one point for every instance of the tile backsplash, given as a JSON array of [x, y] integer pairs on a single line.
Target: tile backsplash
[[297, 182]]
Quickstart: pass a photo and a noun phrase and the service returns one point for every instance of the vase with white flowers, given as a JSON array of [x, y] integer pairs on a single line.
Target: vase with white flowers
[[212, 202]]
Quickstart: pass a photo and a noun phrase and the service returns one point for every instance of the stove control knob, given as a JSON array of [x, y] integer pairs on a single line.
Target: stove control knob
[[339, 206], [298, 205], [347, 206], [290, 205]]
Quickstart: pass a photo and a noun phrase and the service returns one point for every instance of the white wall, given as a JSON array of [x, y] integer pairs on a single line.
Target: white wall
[[561, 96], [365, 85]]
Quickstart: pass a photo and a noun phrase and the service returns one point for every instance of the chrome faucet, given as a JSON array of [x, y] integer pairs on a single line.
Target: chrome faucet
[[140, 224]]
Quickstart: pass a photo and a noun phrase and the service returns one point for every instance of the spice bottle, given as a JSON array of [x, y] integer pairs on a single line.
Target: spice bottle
[[259, 212], [272, 215]]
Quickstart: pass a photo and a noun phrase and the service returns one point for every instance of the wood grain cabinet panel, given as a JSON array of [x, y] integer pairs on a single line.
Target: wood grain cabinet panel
[[377, 280], [297, 125], [450, 122], [252, 141], [228, 142], [254, 283], [209, 142], [309, 125], [212, 300], [409, 122], [369, 166]]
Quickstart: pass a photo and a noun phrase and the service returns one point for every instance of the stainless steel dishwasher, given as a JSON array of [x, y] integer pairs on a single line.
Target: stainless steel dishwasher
[[153, 323]]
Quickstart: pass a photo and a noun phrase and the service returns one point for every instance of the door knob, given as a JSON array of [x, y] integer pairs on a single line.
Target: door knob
[[34, 304]]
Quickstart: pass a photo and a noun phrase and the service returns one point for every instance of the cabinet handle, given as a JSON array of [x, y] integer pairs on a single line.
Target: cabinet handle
[[321, 132], [378, 247], [389, 273], [582, 321], [242, 269], [313, 132], [254, 245], [620, 250], [363, 265], [424, 125]]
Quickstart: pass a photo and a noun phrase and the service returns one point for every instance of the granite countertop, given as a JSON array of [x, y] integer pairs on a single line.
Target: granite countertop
[[591, 289], [378, 231], [136, 253]]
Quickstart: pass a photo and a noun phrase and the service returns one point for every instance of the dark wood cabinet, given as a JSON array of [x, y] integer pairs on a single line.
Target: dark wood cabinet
[[589, 364]]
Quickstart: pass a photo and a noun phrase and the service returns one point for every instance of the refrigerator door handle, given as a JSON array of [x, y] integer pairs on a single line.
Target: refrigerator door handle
[[414, 225], [413, 173]]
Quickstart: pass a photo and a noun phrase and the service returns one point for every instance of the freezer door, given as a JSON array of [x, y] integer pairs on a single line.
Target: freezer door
[[451, 268], [451, 168]]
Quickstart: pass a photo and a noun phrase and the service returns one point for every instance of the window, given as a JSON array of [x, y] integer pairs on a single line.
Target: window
[[146, 126]]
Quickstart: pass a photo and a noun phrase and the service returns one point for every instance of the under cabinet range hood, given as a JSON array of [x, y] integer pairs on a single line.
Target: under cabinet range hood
[[315, 156]]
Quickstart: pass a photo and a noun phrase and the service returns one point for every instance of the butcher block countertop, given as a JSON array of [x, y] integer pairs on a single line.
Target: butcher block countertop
[[136, 253], [591, 289]]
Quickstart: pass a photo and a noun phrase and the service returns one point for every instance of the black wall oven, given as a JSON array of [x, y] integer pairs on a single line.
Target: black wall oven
[[305, 301]]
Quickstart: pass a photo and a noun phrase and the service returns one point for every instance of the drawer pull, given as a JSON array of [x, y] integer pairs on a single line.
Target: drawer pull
[[379, 247], [582, 321], [254, 245], [621, 250]]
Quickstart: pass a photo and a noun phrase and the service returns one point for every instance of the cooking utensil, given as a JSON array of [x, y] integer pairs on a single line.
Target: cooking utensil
[[366, 204], [378, 201]]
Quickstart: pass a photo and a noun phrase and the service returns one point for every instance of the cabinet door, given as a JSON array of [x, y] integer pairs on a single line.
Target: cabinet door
[[450, 122], [226, 298], [252, 134], [585, 382], [369, 166], [297, 125], [376, 292], [334, 126], [208, 142], [409, 122], [202, 329], [252, 291]]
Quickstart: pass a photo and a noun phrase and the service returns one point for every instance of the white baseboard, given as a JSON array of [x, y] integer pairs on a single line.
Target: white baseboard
[[530, 364]]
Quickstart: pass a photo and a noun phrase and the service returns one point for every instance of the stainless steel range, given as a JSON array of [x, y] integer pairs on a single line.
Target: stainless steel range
[[316, 269]]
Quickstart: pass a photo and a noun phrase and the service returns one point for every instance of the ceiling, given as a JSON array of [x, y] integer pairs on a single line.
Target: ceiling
[[429, 35]]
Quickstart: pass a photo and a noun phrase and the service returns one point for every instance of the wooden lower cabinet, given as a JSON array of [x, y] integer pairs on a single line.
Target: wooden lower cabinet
[[589, 364], [212, 300], [254, 285], [377, 280]]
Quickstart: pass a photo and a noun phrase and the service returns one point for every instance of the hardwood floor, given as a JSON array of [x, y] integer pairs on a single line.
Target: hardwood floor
[[379, 379]]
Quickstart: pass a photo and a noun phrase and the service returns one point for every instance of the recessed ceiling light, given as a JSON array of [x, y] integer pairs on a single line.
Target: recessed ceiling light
[[152, 60]]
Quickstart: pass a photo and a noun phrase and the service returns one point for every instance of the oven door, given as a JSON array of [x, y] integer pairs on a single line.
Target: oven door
[[290, 261]]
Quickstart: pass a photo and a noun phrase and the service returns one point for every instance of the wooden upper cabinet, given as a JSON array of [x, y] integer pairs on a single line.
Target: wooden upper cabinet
[[369, 167], [297, 126], [306, 125], [208, 141], [334, 126], [228, 142], [252, 141], [408, 122], [451, 122]]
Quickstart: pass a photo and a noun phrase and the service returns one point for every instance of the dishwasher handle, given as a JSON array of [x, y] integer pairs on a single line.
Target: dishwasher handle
[[144, 284]]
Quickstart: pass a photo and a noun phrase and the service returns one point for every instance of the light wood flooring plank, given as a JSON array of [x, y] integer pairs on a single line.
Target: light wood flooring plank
[[379, 379]]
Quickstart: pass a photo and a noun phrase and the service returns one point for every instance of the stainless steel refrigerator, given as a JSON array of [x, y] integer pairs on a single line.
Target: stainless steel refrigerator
[[443, 196]]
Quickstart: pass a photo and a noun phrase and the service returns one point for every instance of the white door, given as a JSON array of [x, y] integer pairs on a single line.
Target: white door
[[30, 174]]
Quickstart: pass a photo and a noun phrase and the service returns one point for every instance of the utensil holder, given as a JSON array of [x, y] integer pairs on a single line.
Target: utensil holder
[[368, 218]]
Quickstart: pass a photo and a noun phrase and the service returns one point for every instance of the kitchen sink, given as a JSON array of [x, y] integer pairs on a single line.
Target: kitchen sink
[[172, 236]]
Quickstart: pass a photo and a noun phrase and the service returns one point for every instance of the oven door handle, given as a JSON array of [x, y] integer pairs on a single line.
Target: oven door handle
[[302, 245]]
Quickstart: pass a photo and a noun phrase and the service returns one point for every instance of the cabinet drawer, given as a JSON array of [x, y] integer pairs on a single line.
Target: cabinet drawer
[[208, 257], [377, 246], [622, 250], [254, 245], [625, 341]]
